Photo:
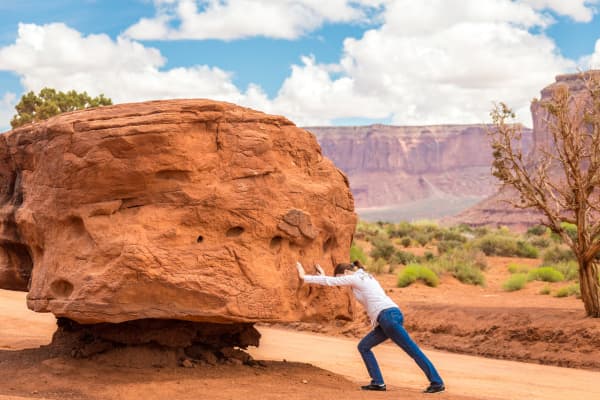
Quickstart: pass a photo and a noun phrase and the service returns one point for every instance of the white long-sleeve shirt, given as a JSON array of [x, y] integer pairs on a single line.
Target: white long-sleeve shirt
[[366, 289]]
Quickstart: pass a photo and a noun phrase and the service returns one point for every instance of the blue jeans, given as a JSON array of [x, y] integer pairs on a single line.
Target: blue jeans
[[390, 327]]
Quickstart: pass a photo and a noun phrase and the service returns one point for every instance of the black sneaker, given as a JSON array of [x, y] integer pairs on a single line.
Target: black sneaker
[[372, 386], [435, 388]]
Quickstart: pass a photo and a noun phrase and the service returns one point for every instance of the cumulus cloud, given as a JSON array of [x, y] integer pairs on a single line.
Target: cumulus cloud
[[592, 61], [448, 67], [427, 63], [57, 56], [578, 10], [7, 110], [234, 19]]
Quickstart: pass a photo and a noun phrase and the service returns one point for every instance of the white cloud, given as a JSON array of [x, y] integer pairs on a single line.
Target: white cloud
[[7, 110], [57, 56], [448, 67], [578, 10], [428, 63], [234, 19], [592, 61]]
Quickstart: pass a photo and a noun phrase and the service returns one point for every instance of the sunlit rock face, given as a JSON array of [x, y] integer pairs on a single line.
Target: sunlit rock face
[[191, 210]]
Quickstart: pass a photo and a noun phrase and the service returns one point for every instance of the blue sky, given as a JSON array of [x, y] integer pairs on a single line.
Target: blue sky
[[332, 62]]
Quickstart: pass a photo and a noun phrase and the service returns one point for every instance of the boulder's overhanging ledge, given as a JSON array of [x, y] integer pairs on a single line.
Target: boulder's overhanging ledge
[[183, 209]]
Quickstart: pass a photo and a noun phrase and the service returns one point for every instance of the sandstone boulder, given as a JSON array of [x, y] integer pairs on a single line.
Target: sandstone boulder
[[185, 209]]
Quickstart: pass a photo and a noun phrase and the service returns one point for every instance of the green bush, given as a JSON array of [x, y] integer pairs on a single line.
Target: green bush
[[422, 238], [540, 242], [537, 230], [404, 257], [463, 264], [377, 266], [417, 272], [382, 248], [405, 242], [545, 274], [428, 256], [545, 290], [357, 253], [467, 273], [557, 255], [515, 282], [499, 244], [445, 246], [514, 268], [527, 250], [570, 269], [571, 290]]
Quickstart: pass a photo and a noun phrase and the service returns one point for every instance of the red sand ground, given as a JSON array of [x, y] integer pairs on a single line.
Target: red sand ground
[[484, 321]]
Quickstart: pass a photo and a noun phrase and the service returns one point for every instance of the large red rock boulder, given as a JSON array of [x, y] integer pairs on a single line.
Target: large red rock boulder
[[186, 209]]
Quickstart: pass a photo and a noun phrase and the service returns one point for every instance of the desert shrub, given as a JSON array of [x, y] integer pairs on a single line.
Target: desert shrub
[[382, 248], [405, 242], [571, 290], [464, 228], [537, 230], [496, 244], [377, 266], [422, 238], [428, 256], [401, 229], [357, 253], [464, 264], [515, 282], [404, 257], [527, 250], [468, 274], [481, 231], [448, 234], [417, 272], [570, 269], [545, 274], [557, 255], [445, 246], [545, 290], [540, 242], [514, 268]]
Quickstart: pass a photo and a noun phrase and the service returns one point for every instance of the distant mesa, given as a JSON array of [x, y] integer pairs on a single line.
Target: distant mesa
[[413, 172], [181, 210]]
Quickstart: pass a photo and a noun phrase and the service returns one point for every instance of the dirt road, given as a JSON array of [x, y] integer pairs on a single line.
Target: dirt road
[[466, 376]]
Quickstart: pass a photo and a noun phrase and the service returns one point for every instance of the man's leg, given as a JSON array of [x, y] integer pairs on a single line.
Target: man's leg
[[392, 327], [373, 338]]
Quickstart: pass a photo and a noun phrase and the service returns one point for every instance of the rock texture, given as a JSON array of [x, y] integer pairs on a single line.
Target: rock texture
[[494, 210], [444, 166], [187, 209]]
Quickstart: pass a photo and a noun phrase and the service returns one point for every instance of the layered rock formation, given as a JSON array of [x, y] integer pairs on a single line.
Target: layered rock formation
[[428, 171], [190, 210], [494, 210]]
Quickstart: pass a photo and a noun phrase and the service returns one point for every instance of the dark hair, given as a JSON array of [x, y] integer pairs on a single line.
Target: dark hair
[[340, 269], [358, 264]]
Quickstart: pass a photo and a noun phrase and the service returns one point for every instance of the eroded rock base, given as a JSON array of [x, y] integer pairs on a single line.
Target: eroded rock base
[[159, 342]]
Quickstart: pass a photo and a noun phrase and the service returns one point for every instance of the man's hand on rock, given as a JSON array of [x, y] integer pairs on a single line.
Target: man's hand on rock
[[300, 269], [319, 269]]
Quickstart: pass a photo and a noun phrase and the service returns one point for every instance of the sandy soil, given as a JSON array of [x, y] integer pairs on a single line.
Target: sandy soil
[[29, 371], [32, 370]]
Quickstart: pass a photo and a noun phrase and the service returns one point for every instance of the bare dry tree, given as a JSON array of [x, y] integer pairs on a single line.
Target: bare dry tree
[[562, 180]]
